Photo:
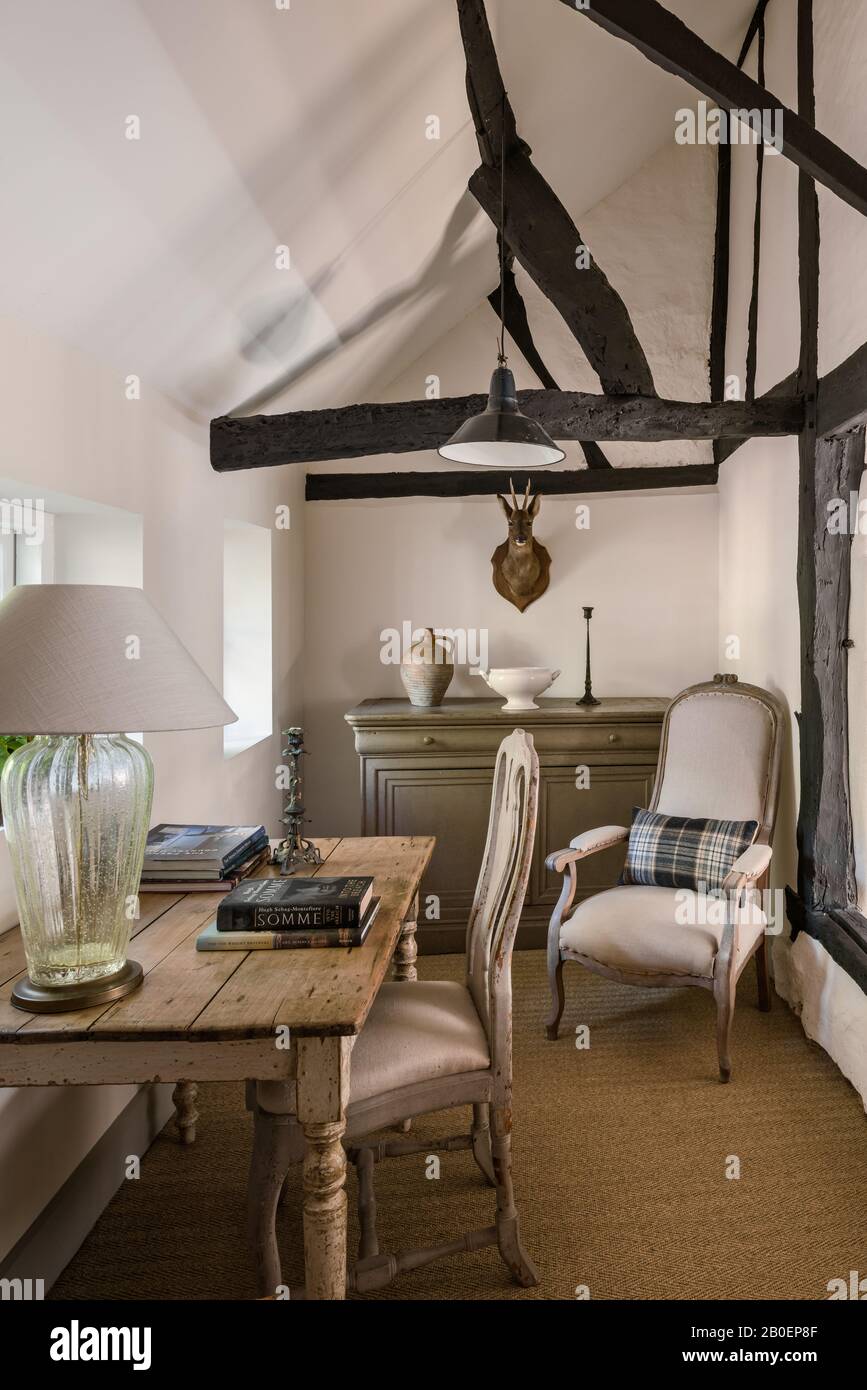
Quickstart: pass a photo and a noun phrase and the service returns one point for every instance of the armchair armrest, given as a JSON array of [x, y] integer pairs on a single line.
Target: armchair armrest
[[748, 867], [591, 842]]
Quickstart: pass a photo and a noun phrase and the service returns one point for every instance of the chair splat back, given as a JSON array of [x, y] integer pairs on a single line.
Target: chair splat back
[[502, 884]]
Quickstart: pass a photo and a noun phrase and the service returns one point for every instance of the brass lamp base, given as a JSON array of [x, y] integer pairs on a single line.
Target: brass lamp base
[[59, 999]]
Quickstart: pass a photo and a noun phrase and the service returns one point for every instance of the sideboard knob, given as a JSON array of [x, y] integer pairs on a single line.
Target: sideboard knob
[[612, 738], [427, 739]]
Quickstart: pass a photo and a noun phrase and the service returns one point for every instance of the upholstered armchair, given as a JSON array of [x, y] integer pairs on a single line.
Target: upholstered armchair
[[719, 759]]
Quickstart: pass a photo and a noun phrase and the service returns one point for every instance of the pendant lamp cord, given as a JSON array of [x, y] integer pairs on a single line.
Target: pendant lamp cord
[[502, 352]]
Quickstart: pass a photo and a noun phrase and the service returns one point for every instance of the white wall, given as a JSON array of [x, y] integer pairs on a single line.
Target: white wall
[[758, 488], [647, 563], [73, 431], [375, 565]]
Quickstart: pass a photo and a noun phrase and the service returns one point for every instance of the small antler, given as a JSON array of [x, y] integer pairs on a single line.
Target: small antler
[[514, 498], [526, 496]]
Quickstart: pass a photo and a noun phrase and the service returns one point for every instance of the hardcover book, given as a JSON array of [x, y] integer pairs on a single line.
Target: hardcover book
[[287, 904], [200, 880], [212, 939], [208, 847]]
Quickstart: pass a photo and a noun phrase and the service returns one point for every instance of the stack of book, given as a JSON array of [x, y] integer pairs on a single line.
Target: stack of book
[[287, 913], [202, 858]]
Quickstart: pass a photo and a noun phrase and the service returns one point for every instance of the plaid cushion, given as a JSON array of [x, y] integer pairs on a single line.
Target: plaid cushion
[[674, 852]]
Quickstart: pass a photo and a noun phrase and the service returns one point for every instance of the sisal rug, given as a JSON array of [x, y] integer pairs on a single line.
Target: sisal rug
[[621, 1155]]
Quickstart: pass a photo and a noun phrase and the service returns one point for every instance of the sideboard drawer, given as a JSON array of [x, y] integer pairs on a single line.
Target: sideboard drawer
[[431, 737]]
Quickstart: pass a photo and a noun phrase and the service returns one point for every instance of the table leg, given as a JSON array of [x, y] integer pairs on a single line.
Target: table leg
[[186, 1114], [323, 1092], [406, 950]]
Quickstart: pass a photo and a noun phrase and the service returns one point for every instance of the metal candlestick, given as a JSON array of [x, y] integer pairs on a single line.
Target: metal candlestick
[[588, 697], [295, 849]]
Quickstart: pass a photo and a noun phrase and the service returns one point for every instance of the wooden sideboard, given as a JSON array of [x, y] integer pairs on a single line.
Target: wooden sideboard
[[429, 772]]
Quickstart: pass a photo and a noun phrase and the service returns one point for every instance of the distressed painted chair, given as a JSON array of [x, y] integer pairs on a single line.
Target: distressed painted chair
[[719, 758], [427, 1045]]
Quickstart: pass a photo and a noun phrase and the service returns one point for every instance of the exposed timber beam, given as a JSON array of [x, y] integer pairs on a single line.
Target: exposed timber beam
[[831, 472], [784, 390], [402, 427], [722, 241], [506, 299], [752, 30], [484, 482], [843, 933], [753, 317], [831, 468], [843, 395], [721, 257], [538, 228], [842, 399], [666, 41]]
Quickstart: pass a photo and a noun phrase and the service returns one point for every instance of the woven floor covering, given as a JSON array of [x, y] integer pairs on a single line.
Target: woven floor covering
[[623, 1153]]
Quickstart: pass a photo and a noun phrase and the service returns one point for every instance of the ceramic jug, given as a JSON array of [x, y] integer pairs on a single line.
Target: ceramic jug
[[427, 669]]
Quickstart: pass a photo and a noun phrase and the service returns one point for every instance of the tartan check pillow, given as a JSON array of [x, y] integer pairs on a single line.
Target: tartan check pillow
[[674, 852]]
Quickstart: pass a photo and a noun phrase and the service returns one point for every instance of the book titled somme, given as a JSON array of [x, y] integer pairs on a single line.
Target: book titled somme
[[288, 904]]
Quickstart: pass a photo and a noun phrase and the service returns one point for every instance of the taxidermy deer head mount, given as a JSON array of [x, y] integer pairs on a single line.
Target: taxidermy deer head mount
[[521, 564]]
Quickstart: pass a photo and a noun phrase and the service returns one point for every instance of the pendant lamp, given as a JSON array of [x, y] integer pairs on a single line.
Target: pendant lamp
[[502, 437]]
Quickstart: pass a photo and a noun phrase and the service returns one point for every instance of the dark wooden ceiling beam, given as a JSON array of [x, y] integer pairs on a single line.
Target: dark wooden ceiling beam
[[668, 42], [485, 482], [401, 427], [843, 395], [784, 390], [842, 399], [539, 230], [752, 30]]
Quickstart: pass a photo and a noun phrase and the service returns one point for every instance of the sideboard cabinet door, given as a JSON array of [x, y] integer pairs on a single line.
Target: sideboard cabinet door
[[452, 804]]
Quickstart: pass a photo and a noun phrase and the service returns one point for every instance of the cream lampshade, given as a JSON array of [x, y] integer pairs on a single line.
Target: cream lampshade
[[81, 663]]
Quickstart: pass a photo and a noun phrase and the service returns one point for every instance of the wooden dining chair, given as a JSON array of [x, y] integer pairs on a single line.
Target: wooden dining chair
[[719, 759], [427, 1045]]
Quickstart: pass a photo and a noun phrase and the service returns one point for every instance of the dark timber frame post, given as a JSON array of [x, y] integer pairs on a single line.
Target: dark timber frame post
[[830, 468]]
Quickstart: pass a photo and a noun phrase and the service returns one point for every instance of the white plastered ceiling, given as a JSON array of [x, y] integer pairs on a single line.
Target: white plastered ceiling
[[302, 127]]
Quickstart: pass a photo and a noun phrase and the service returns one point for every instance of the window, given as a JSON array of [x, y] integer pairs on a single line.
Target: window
[[56, 539], [247, 634]]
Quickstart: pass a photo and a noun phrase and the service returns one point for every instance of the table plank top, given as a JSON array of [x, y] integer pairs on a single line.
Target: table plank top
[[214, 995]]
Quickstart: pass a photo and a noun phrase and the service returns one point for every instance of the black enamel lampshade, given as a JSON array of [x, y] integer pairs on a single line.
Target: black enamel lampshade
[[501, 437]]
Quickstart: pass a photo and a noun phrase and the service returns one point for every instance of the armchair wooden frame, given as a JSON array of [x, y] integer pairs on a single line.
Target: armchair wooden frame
[[749, 871]]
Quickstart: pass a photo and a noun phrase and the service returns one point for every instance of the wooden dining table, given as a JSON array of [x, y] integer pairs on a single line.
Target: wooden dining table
[[284, 1015]]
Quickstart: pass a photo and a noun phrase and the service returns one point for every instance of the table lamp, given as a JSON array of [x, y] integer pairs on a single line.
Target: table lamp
[[77, 663]]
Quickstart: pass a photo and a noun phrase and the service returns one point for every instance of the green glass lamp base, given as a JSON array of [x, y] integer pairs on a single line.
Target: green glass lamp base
[[58, 999]]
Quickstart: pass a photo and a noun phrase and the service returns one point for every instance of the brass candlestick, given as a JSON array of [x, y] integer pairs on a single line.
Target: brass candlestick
[[588, 697]]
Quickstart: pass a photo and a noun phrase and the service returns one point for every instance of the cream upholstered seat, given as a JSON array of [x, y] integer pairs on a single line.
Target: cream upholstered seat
[[417, 1030], [641, 930], [427, 1046], [719, 759]]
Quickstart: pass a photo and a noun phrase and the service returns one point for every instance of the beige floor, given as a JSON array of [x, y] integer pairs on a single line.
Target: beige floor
[[620, 1163]]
